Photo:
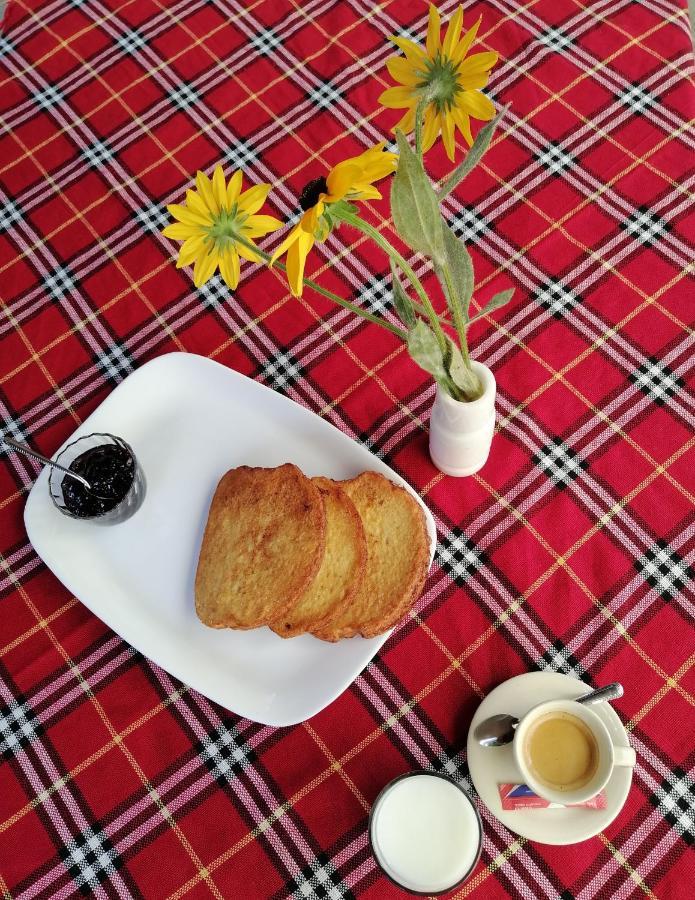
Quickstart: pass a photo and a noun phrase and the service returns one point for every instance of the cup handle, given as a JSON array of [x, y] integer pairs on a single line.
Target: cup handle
[[624, 756]]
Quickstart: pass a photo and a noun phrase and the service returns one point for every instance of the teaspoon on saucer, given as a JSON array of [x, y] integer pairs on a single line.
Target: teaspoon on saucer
[[496, 731]]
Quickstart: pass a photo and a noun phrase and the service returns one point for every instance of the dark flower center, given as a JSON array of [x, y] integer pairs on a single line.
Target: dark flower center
[[311, 192]]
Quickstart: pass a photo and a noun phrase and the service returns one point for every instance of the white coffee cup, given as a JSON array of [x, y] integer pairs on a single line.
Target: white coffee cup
[[609, 755]]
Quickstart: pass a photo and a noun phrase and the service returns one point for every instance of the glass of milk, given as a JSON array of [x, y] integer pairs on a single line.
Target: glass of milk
[[425, 832]]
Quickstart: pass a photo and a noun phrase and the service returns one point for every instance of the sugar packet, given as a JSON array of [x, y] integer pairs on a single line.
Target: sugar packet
[[520, 796]]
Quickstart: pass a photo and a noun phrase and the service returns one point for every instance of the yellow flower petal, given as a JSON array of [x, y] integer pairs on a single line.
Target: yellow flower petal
[[473, 82], [366, 192], [370, 155], [479, 62], [463, 123], [402, 70], [179, 232], [377, 163], [420, 69], [257, 226], [310, 220], [397, 97], [195, 203], [190, 250], [464, 44], [212, 262], [252, 200], [233, 189], [296, 260], [340, 179], [187, 216], [434, 28], [295, 270], [286, 244], [430, 128], [351, 178], [453, 32], [204, 186], [248, 254], [407, 123], [205, 266], [447, 124], [413, 52], [476, 104], [219, 187], [229, 267]]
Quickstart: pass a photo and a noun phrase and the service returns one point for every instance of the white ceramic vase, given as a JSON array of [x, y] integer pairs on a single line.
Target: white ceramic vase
[[461, 433]]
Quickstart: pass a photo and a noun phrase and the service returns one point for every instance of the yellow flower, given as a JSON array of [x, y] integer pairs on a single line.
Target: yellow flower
[[443, 73], [212, 222], [351, 179]]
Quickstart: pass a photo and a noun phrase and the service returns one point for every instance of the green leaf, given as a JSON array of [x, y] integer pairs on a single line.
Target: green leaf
[[343, 206], [473, 157], [460, 265], [425, 350], [414, 205], [324, 226], [463, 377], [498, 300], [401, 301]]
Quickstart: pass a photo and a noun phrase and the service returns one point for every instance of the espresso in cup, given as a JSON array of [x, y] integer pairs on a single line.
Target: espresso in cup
[[561, 751], [565, 753]]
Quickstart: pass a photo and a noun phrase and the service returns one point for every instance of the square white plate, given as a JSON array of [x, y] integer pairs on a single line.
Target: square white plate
[[189, 420]]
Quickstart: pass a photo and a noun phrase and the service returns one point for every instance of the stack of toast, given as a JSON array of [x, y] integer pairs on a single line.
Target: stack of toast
[[309, 555]]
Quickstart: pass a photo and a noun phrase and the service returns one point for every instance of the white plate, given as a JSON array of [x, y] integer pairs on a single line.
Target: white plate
[[490, 766], [189, 420]]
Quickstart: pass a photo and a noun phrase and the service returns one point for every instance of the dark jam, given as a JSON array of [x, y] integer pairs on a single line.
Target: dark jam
[[109, 469]]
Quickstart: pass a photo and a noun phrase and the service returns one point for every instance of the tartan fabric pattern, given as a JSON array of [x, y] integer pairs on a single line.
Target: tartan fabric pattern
[[656, 380], [225, 753], [458, 556], [559, 462], [18, 727], [664, 570], [318, 881], [573, 550], [90, 860], [676, 800]]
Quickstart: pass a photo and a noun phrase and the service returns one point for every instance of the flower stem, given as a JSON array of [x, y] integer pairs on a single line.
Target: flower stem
[[391, 251], [376, 320], [459, 323], [419, 112]]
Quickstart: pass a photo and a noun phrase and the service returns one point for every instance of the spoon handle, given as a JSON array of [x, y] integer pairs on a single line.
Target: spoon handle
[[27, 451], [609, 692]]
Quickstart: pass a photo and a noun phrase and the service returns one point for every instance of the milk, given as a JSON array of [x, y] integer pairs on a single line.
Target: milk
[[425, 833]]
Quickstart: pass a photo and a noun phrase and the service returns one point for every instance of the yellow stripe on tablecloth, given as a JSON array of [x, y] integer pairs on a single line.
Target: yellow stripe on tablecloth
[[110, 745], [115, 736], [35, 358], [670, 682]]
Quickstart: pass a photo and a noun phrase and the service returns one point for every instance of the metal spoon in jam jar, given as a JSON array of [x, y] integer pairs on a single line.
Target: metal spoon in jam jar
[[27, 451], [101, 481]]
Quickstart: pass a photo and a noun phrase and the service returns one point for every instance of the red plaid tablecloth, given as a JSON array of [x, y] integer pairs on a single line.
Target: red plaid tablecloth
[[571, 551]]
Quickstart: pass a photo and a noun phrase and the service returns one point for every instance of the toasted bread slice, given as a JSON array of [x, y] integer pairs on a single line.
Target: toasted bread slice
[[342, 570], [262, 547], [397, 558]]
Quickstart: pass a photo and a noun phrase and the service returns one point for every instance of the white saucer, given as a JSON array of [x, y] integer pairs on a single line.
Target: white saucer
[[490, 766]]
